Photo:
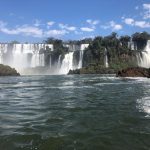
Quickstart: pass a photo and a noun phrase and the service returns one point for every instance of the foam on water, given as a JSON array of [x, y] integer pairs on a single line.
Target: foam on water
[[144, 104]]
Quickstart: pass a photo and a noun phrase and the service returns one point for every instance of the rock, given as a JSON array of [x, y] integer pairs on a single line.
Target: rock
[[134, 72], [8, 71]]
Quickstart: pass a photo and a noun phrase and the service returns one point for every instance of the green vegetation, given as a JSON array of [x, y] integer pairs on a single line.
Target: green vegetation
[[59, 49], [140, 39], [93, 69], [119, 51]]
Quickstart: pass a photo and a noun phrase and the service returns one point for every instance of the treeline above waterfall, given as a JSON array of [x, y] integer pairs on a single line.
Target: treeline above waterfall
[[113, 51], [55, 56], [121, 51]]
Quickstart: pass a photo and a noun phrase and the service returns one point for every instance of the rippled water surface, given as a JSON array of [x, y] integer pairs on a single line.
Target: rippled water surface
[[88, 112]]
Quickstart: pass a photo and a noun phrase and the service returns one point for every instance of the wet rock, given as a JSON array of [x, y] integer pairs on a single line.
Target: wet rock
[[8, 71], [134, 72]]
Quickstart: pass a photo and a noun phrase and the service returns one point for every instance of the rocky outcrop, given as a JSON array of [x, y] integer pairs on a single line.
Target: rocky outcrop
[[93, 69], [134, 72], [8, 71]]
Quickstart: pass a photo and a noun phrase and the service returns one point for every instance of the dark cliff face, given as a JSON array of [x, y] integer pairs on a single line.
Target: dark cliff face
[[76, 58], [8, 71]]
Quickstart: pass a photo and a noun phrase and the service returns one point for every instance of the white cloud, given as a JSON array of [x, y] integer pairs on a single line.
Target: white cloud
[[67, 27], [105, 27], [115, 26], [146, 7], [50, 23], [92, 22], [146, 15], [123, 17], [141, 24], [56, 33], [33, 31], [87, 29], [25, 30], [112, 25], [129, 21]]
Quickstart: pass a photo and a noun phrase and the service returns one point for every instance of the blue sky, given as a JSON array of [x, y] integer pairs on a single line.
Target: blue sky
[[35, 20]]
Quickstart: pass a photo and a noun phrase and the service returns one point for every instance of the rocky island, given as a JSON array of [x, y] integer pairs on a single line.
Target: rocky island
[[128, 72], [93, 69], [8, 71]]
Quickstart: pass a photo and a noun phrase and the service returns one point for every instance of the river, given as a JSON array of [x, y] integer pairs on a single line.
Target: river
[[74, 112]]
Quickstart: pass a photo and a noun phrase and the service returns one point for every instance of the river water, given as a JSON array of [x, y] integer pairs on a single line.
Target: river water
[[74, 112]]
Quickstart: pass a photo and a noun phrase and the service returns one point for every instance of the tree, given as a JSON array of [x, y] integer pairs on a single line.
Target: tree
[[140, 39], [86, 41], [124, 40], [14, 42]]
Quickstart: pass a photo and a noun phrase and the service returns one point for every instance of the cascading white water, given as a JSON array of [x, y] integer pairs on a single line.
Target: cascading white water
[[3, 49], [50, 62], [1, 55], [144, 60], [67, 63], [59, 62], [19, 58], [18, 55], [80, 59], [106, 59], [37, 60], [23, 56], [83, 47], [1, 58]]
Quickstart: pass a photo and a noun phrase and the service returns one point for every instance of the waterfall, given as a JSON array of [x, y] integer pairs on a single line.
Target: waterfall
[[80, 59], [144, 60], [37, 60], [1, 57], [23, 55], [106, 59], [67, 63], [59, 62], [50, 62], [3, 49], [83, 47], [19, 57]]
